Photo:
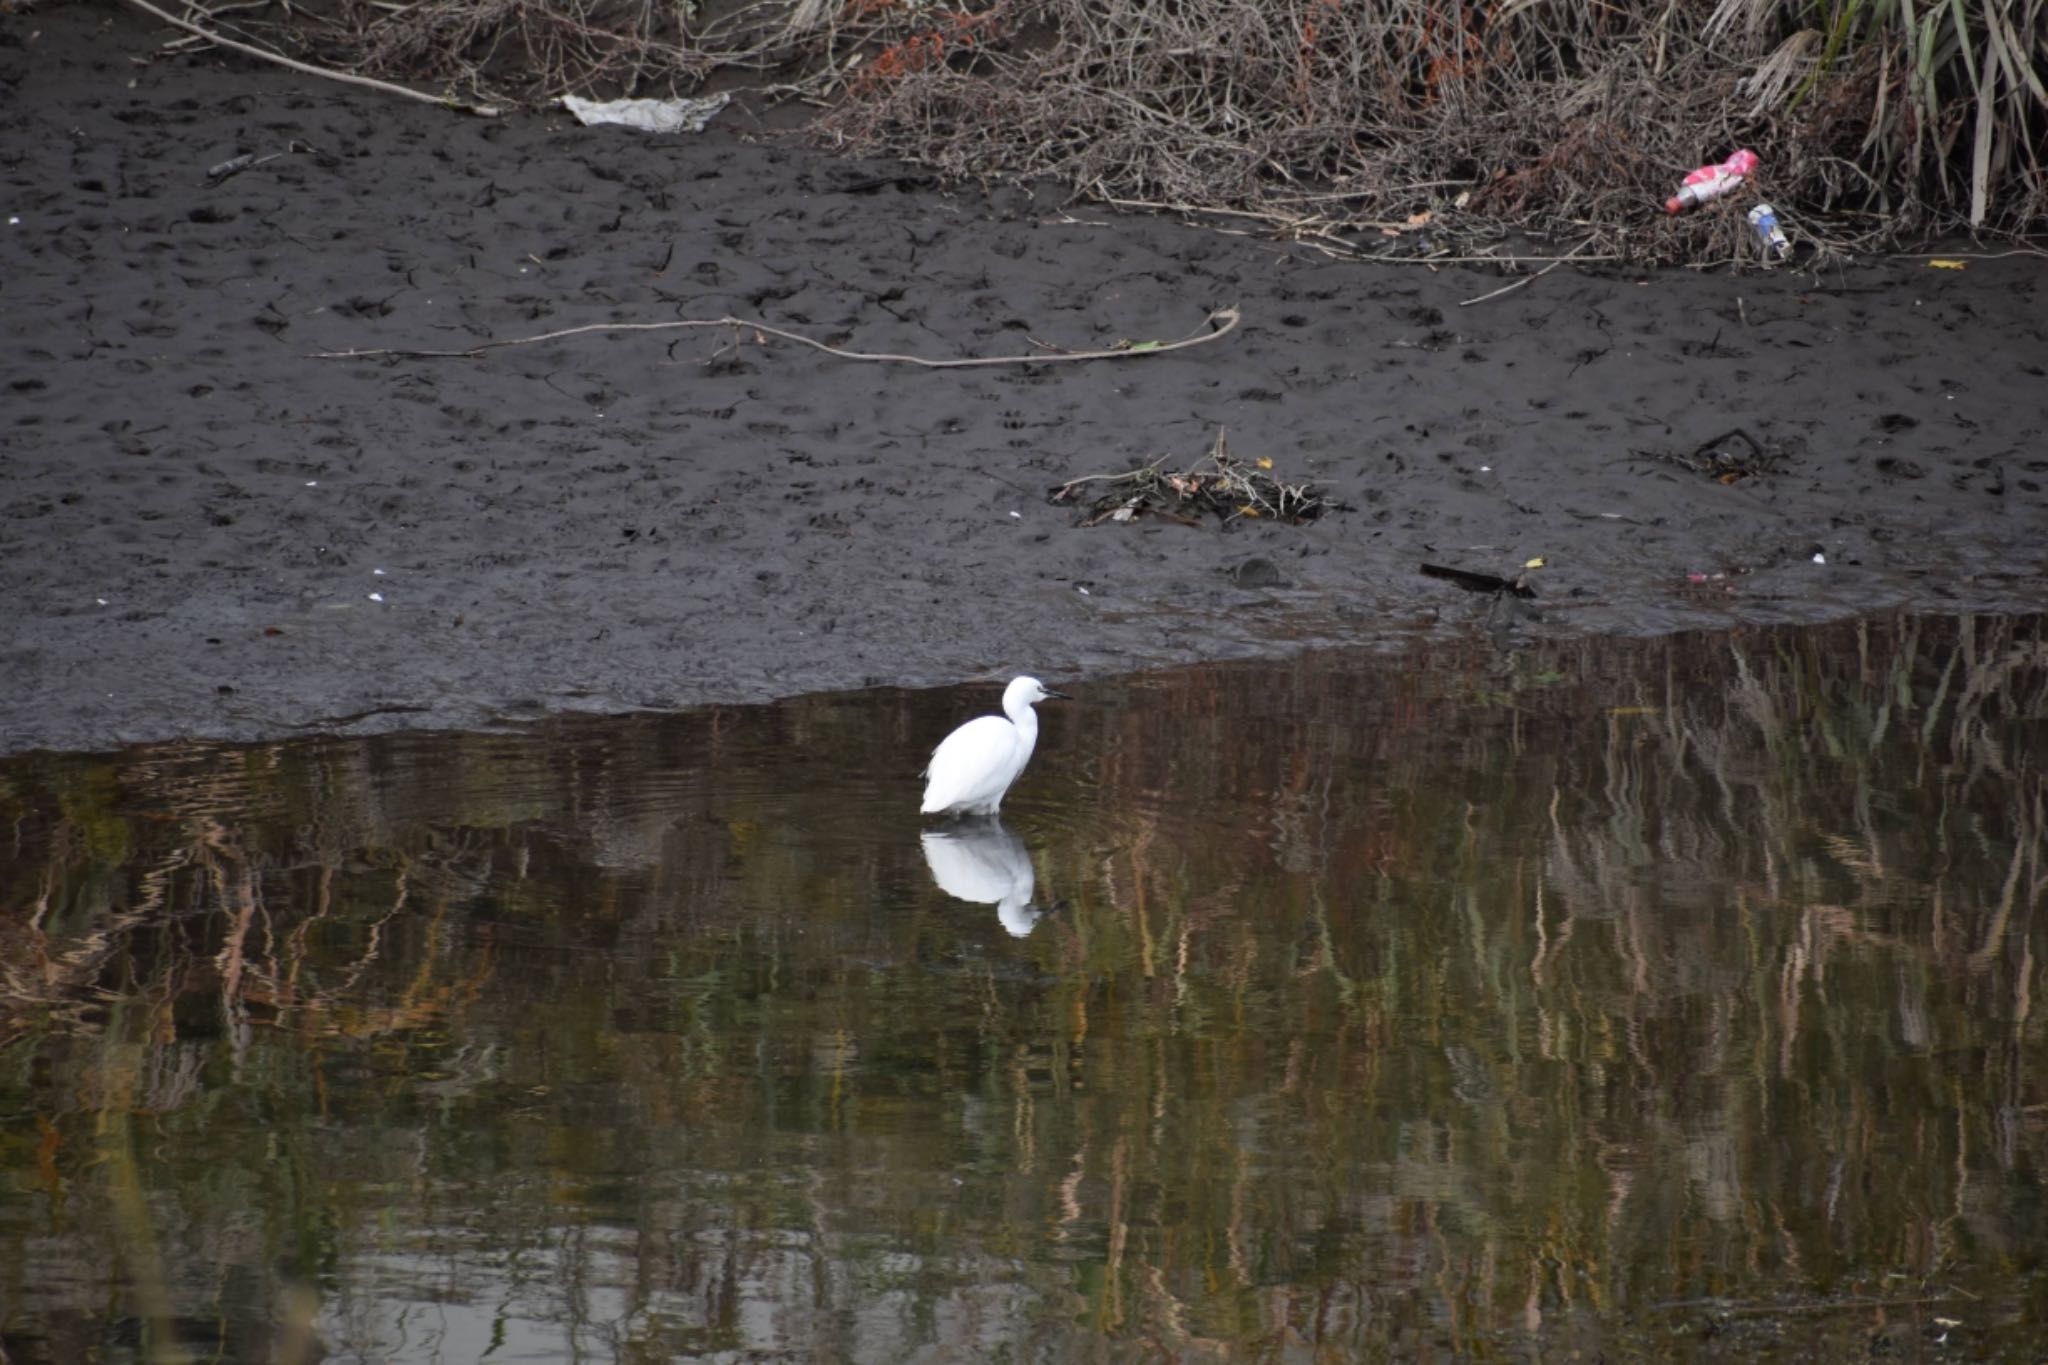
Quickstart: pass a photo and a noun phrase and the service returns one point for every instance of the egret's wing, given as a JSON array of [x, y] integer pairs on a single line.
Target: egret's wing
[[965, 758], [984, 737]]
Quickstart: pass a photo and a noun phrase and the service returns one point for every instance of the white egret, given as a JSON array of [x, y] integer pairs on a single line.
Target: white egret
[[975, 765]]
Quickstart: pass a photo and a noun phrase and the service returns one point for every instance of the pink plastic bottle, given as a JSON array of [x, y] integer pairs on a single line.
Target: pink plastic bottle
[[1711, 182]]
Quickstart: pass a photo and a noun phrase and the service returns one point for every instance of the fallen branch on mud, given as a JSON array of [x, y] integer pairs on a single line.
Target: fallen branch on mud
[[1221, 323], [1220, 485], [1473, 580], [347, 78], [1527, 279]]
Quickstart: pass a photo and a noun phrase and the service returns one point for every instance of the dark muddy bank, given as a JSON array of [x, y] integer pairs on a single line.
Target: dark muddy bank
[[205, 530]]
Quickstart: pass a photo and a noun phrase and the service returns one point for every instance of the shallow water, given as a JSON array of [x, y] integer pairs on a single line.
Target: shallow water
[[1656, 996]]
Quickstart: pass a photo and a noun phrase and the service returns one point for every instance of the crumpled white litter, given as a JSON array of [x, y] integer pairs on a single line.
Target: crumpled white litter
[[649, 116]]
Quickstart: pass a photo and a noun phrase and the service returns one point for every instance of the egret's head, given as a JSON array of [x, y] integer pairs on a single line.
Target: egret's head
[[1027, 691]]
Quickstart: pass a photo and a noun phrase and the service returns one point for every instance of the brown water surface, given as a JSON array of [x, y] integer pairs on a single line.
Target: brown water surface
[[1660, 997]]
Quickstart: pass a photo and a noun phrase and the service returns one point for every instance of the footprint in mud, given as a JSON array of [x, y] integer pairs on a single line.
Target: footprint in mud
[[360, 307]]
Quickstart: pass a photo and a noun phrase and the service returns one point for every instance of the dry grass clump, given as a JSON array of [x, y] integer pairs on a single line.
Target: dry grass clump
[[1348, 120], [1370, 126], [495, 54]]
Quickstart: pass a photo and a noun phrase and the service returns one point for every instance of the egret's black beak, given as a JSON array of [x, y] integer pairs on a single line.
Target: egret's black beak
[[1057, 696]]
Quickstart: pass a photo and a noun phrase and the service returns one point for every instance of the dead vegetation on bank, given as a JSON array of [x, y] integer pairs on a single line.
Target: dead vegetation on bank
[[1398, 128]]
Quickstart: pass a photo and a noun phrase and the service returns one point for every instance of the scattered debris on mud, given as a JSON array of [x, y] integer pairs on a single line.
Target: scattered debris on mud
[[1732, 457], [1219, 485], [1472, 580]]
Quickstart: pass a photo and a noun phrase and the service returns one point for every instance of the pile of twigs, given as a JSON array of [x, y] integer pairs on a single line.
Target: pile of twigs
[[1219, 485], [1732, 457]]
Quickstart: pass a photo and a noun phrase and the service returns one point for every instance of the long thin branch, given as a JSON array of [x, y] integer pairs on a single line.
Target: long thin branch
[[1434, 261], [264, 54], [1221, 323], [1308, 229], [1527, 279]]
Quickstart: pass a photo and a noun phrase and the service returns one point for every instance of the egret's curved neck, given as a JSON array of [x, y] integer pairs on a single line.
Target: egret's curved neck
[[1024, 718]]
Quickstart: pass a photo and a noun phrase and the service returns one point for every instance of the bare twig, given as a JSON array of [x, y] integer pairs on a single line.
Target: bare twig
[[1527, 279], [1971, 255], [224, 171], [1221, 323], [1493, 260], [264, 54]]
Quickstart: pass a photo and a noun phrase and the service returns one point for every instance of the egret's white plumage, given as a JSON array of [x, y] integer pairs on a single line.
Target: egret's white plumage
[[975, 765]]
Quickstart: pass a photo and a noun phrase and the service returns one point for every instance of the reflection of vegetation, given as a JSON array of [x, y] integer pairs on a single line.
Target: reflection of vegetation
[[1392, 1005]]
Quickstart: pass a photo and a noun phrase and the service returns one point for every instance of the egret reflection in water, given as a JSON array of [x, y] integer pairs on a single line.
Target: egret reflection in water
[[980, 860]]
